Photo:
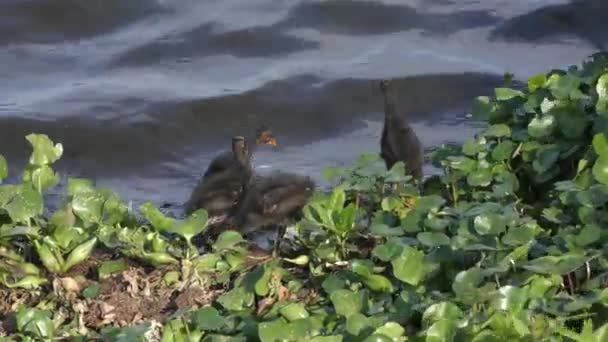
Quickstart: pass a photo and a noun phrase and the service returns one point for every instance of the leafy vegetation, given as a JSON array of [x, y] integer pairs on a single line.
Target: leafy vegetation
[[508, 243]]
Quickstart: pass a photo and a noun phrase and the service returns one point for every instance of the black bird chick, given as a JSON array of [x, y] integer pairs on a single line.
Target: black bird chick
[[219, 192], [225, 159], [399, 141], [271, 200]]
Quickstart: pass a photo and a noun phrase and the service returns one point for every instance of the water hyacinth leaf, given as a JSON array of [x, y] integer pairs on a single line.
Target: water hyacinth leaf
[[111, 267], [336, 338], [504, 94], [433, 239], [392, 330], [503, 150], [208, 319], [156, 218], [600, 144], [546, 157], [441, 331], [498, 131], [35, 322], [571, 121], [378, 338], [3, 169], [388, 251], [25, 204], [489, 224], [441, 311], [562, 86], [602, 92], [463, 164], [600, 169], [333, 283], [357, 323], [88, 206], [518, 236], [228, 240], [236, 299], [409, 266], [556, 264], [536, 82], [588, 235], [79, 185], [92, 291], [480, 177], [542, 126], [346, 302], [44, 151], [42, 177], [472, 147], [381, 229], [195, 224], [378, 283], [482, 108], [79, 254], [294, 311], [466, 283], [277, 331]]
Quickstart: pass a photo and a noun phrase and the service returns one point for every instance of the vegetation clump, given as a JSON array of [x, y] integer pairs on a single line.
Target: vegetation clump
[[508, 243]]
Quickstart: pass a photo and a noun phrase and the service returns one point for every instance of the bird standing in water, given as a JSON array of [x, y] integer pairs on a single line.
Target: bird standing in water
[[225, 159], [399, 141]]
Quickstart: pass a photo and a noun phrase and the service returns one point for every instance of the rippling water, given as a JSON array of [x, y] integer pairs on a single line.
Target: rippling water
[[142, 93]]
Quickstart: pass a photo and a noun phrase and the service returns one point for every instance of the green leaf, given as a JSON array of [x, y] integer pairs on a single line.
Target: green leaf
[[441, 331], [79, 254], [466, 283], [536, 82], [387, 251], [546, 157], [489, 224], [471, 147], [571, 121], [381, 229], [111, 267], [392, 330], [35, 322], [600, 144], [44, 152], [600, 169], [562, 86], [228, 240], [357, 323], [498, 131], [156, 218], [346, 302], [92, 291], [588, 235], [504, 94], [433, 239], [555, 264], [25, 204], [79, 185], [441, 311], [482, 108], [602, 91], [409, 267], [195, 224], [236, 299], [480, 177], [503, 150], [208, 319], [518, 236], [542, 126], [294, 311], [3, 169]]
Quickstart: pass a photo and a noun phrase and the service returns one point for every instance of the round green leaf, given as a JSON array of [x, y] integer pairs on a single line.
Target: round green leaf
[[409, 267], [346, 302], [536, 82], [571, 121], [391, 329], [600, 169], [356, 323], [504, 94], [433, 239], [441, 331], [25, 204], [546, 157], [588, 235], [208, 319], [503, 151], [489, 224], [294, 311], [439, 311], [498, 131], [600, 144], [480, 177], [541, 126]]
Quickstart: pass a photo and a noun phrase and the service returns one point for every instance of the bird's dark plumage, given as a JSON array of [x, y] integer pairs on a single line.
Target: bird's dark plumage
[[399, 141]]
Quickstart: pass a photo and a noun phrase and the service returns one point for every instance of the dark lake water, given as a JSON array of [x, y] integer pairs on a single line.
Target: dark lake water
[[143, 93]]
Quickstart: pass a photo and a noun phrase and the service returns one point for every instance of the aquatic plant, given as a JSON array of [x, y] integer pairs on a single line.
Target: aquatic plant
[[508, 243]]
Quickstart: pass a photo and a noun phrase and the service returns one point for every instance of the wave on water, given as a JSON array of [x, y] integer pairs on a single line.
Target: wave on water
[[49, 21]]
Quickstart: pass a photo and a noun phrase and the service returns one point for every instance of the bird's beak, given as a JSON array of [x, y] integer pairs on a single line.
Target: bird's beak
[[273, 142]]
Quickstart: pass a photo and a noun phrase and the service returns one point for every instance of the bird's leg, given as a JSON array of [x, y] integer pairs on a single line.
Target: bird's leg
[[277, 242]]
